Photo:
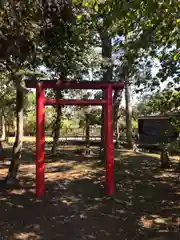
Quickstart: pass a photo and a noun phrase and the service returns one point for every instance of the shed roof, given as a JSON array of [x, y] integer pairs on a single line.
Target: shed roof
[[161, 116]]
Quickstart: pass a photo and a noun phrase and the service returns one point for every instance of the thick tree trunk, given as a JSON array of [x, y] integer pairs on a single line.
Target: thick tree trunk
[[57, 125], [17, 148], [107, 69], [128, 113]]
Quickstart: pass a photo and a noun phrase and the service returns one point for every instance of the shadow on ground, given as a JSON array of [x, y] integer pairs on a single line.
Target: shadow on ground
[[145, 205]]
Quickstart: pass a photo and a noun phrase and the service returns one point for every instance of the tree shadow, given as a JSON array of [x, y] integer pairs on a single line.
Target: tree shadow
[[75, 206], [64, 152]]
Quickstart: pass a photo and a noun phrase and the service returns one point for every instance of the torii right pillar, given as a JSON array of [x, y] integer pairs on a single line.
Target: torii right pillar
[[108, 141]]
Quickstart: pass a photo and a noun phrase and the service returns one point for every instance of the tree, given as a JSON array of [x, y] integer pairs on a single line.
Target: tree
[[60, 34], [88, 117], [56, 123], [7, 104], [65, 44], [26, 41], [19, 54], [163, 102]]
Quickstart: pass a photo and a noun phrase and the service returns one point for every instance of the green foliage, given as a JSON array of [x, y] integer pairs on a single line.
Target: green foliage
[[30, 123], [141, 32], [164, 102], [20, 28], [142, 108], [7, 99], [94, 116], [65, 40], [64, 36], [134, 124], [60, 34]]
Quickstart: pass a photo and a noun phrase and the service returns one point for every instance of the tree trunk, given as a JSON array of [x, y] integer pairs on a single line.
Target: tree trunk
[[87, 135], [128, 113], [7, 132], [116, 104], [107, 69], [101, 150], [3, 128], [17, 148], [57, 125], [14, 126], [164, 157]]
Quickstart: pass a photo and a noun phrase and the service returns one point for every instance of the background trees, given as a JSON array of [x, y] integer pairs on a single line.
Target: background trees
[[132, 41]]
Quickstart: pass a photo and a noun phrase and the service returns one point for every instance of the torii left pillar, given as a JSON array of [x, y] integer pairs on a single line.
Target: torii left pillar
[[40, 139]]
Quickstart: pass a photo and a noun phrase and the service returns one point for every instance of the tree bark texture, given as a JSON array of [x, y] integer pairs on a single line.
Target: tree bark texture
[[164, 157], [3, 128], [107, 69], [7, 132], [87, 134], [17, 148], [128, 113], [117, 98], [57, 125]]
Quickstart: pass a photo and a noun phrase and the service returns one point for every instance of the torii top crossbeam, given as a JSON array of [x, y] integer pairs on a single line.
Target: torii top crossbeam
[[74, 84]]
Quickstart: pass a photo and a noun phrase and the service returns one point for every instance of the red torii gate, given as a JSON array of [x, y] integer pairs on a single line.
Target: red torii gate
[[41, 101]]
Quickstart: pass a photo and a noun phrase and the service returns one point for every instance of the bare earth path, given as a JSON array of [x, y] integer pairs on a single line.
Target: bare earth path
[[146, 204]]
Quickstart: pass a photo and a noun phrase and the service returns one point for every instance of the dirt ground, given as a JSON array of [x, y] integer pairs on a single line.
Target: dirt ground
[[146, 204]]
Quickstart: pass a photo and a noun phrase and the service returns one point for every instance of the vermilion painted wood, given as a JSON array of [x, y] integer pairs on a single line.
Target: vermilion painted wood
[[108, 140], [40, 113], [40, 140], [73, 102], [74, 84]]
